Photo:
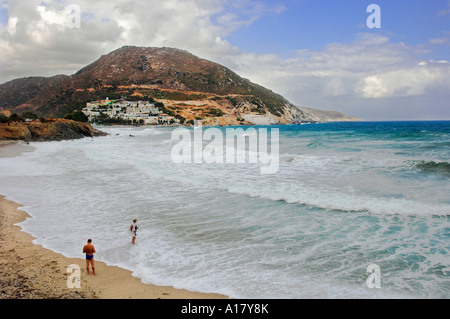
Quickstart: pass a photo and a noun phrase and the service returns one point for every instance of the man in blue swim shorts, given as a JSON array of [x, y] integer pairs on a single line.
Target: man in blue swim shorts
[[89, 249]]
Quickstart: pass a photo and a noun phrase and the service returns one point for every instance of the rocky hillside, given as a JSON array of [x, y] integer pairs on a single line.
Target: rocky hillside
[[327, 116], [189, 87], [50, 130]]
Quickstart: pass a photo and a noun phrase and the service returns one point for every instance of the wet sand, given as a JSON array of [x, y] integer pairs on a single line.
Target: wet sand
[[30, 271]]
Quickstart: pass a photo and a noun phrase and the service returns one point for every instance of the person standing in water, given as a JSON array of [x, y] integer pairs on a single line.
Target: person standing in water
[[133, 229], [89, 250]]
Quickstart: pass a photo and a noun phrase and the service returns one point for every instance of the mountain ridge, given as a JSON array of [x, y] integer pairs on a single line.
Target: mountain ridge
[[190, 87]]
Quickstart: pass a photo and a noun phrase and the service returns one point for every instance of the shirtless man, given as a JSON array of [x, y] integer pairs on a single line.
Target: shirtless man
[[89, 250]]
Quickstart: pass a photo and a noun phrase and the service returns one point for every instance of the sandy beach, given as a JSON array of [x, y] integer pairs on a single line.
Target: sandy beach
[[30, 271]]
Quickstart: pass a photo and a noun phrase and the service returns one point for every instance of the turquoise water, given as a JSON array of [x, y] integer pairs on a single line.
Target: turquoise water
[[345, 196]]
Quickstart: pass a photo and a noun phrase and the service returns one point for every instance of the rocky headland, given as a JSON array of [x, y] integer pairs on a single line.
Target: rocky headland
[[48, 130]]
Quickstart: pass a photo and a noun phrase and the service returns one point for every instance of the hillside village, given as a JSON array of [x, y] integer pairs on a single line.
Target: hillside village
[[127, 112]]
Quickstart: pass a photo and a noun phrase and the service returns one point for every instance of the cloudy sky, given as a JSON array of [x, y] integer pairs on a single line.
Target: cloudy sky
[[316, 53]]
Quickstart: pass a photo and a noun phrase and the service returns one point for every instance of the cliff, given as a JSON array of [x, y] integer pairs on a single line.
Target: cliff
[[316, 115], [50, 130]]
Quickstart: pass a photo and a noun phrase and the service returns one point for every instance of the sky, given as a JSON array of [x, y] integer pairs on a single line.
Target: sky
[[323, 54]]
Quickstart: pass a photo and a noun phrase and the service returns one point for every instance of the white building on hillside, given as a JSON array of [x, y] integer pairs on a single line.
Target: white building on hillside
[[135, 111]]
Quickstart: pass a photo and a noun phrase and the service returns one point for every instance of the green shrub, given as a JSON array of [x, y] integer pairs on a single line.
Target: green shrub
[[78, 116]]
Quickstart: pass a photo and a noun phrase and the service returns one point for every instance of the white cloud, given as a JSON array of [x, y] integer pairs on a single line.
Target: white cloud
[[406, 82], [444, 12], [37, 34], [52, 17], [370, 72], [335, 71], [37, 41], [11, 27], [385, 68]]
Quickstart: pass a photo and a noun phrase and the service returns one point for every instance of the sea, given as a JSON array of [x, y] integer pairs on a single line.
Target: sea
[[353, 210]]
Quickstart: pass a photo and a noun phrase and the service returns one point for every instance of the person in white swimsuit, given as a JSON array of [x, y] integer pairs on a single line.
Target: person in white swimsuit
[[133, 230]]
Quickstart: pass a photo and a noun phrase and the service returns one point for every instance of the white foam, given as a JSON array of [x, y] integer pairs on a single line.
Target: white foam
[[225, 228]]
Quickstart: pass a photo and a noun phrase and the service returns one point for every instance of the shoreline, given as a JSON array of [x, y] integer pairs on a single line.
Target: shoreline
[[30, 271], [12, 148]]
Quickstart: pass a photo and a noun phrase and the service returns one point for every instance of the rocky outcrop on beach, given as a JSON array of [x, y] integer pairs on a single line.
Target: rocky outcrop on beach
[[49, 130]]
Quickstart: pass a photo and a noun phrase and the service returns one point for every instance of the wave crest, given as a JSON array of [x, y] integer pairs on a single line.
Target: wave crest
[[434, 167]]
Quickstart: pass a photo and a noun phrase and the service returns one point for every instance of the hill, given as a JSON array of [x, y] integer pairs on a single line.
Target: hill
[[188, 86]]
